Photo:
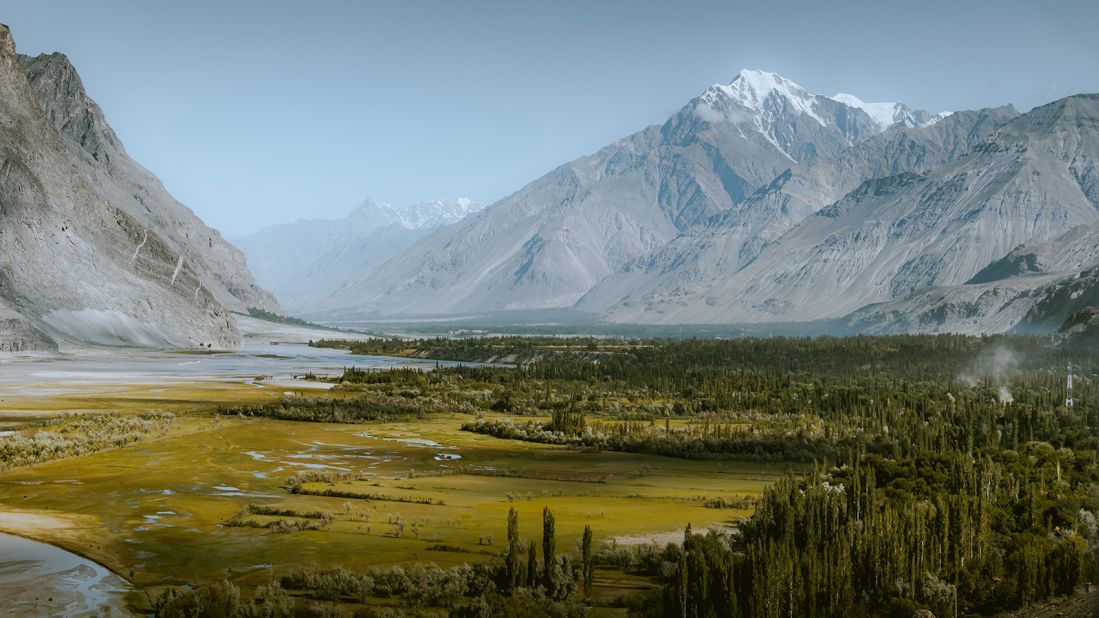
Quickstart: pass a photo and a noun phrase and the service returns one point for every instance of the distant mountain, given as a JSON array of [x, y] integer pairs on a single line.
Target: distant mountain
[[100, 158], [761, 203], [553, 241], [304, 261], [73, 265], [892, 115]]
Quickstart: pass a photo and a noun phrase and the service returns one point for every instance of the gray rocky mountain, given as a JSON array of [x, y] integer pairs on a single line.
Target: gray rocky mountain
[[689, 268], [550, 243], [98, 154], [304, 261], [1034, 288], [74, 267], [875, 216], [1002, 239]]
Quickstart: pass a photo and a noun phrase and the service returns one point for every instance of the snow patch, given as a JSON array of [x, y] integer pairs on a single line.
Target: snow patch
[[885, 114], [888, 114]]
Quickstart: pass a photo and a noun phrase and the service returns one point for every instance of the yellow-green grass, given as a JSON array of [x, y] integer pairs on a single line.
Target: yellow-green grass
[[100, 505], [140, 397]]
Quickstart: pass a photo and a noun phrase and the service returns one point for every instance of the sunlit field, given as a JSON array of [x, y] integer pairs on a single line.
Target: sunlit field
[[176, 509]]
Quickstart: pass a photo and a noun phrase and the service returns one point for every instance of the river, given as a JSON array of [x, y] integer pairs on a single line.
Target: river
[[37, 579], [79, 370]]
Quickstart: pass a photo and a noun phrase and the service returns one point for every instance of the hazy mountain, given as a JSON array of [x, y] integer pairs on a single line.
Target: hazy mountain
[[72, 265], [98, 154], [891, 115], [551, 242], [304, 261]]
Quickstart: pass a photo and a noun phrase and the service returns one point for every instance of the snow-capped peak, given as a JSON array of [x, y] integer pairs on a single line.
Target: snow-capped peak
[[422, 215], [761, 101], [439, 212], [770, 104], [890, 114], [885, 114], [753, 89]]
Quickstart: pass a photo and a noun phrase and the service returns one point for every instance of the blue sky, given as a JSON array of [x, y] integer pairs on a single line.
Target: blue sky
[[259, 112]]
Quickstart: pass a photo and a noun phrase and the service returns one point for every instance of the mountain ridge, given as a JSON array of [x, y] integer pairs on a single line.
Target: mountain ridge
[[304, 260], [98, 153], [75, 268], [549, 243]]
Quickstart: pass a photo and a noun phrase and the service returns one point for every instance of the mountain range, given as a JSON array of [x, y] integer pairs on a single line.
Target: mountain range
[[92, 248], [305, 261], [758, 202]]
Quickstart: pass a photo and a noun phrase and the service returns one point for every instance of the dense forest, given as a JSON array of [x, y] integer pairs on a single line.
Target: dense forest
[[948, 473]]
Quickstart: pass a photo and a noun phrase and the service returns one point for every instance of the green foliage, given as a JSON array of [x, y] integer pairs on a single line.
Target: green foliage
[[587, 560], [549, 551], [511, 558], [271, 316], [966, 484], [364, 407], [217, 600]]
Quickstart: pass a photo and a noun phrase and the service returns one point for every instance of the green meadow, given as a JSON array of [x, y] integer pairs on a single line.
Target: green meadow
[[162, 512]]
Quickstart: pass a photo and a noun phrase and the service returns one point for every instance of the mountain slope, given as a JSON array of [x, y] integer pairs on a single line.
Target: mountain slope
[[556, 238], [1034, 288], [100, 157], [72, 266], [1033, 180], [691, 265], [306, 260]]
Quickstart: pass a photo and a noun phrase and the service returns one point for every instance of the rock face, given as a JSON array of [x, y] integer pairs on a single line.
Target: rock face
[[98, 154], [74, 267], [896, 235], [677, 282], [303, 262], [17, 334], [551, 242]]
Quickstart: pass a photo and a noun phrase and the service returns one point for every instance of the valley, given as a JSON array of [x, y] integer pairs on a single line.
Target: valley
[[162, 511], [694, 349], [360, 468]]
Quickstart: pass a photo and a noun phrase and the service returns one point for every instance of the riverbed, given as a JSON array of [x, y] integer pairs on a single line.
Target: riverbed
[[78, 370], [37, 579]]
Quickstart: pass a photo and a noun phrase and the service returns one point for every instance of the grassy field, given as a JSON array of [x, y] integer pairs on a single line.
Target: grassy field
[[156, 512], [46, 401]]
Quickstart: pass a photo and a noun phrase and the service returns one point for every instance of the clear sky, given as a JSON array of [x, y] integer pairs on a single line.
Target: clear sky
[[256, 112]]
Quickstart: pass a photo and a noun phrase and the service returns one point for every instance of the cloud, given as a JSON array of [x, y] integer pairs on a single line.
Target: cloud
[[707, 113]]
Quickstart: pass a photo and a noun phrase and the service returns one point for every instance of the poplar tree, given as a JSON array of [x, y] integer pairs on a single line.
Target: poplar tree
[[589, 560], [511, 562], [549, 551]]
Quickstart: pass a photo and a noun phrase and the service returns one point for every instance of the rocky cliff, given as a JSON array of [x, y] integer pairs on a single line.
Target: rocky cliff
[[98, 154], [73, 266]]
